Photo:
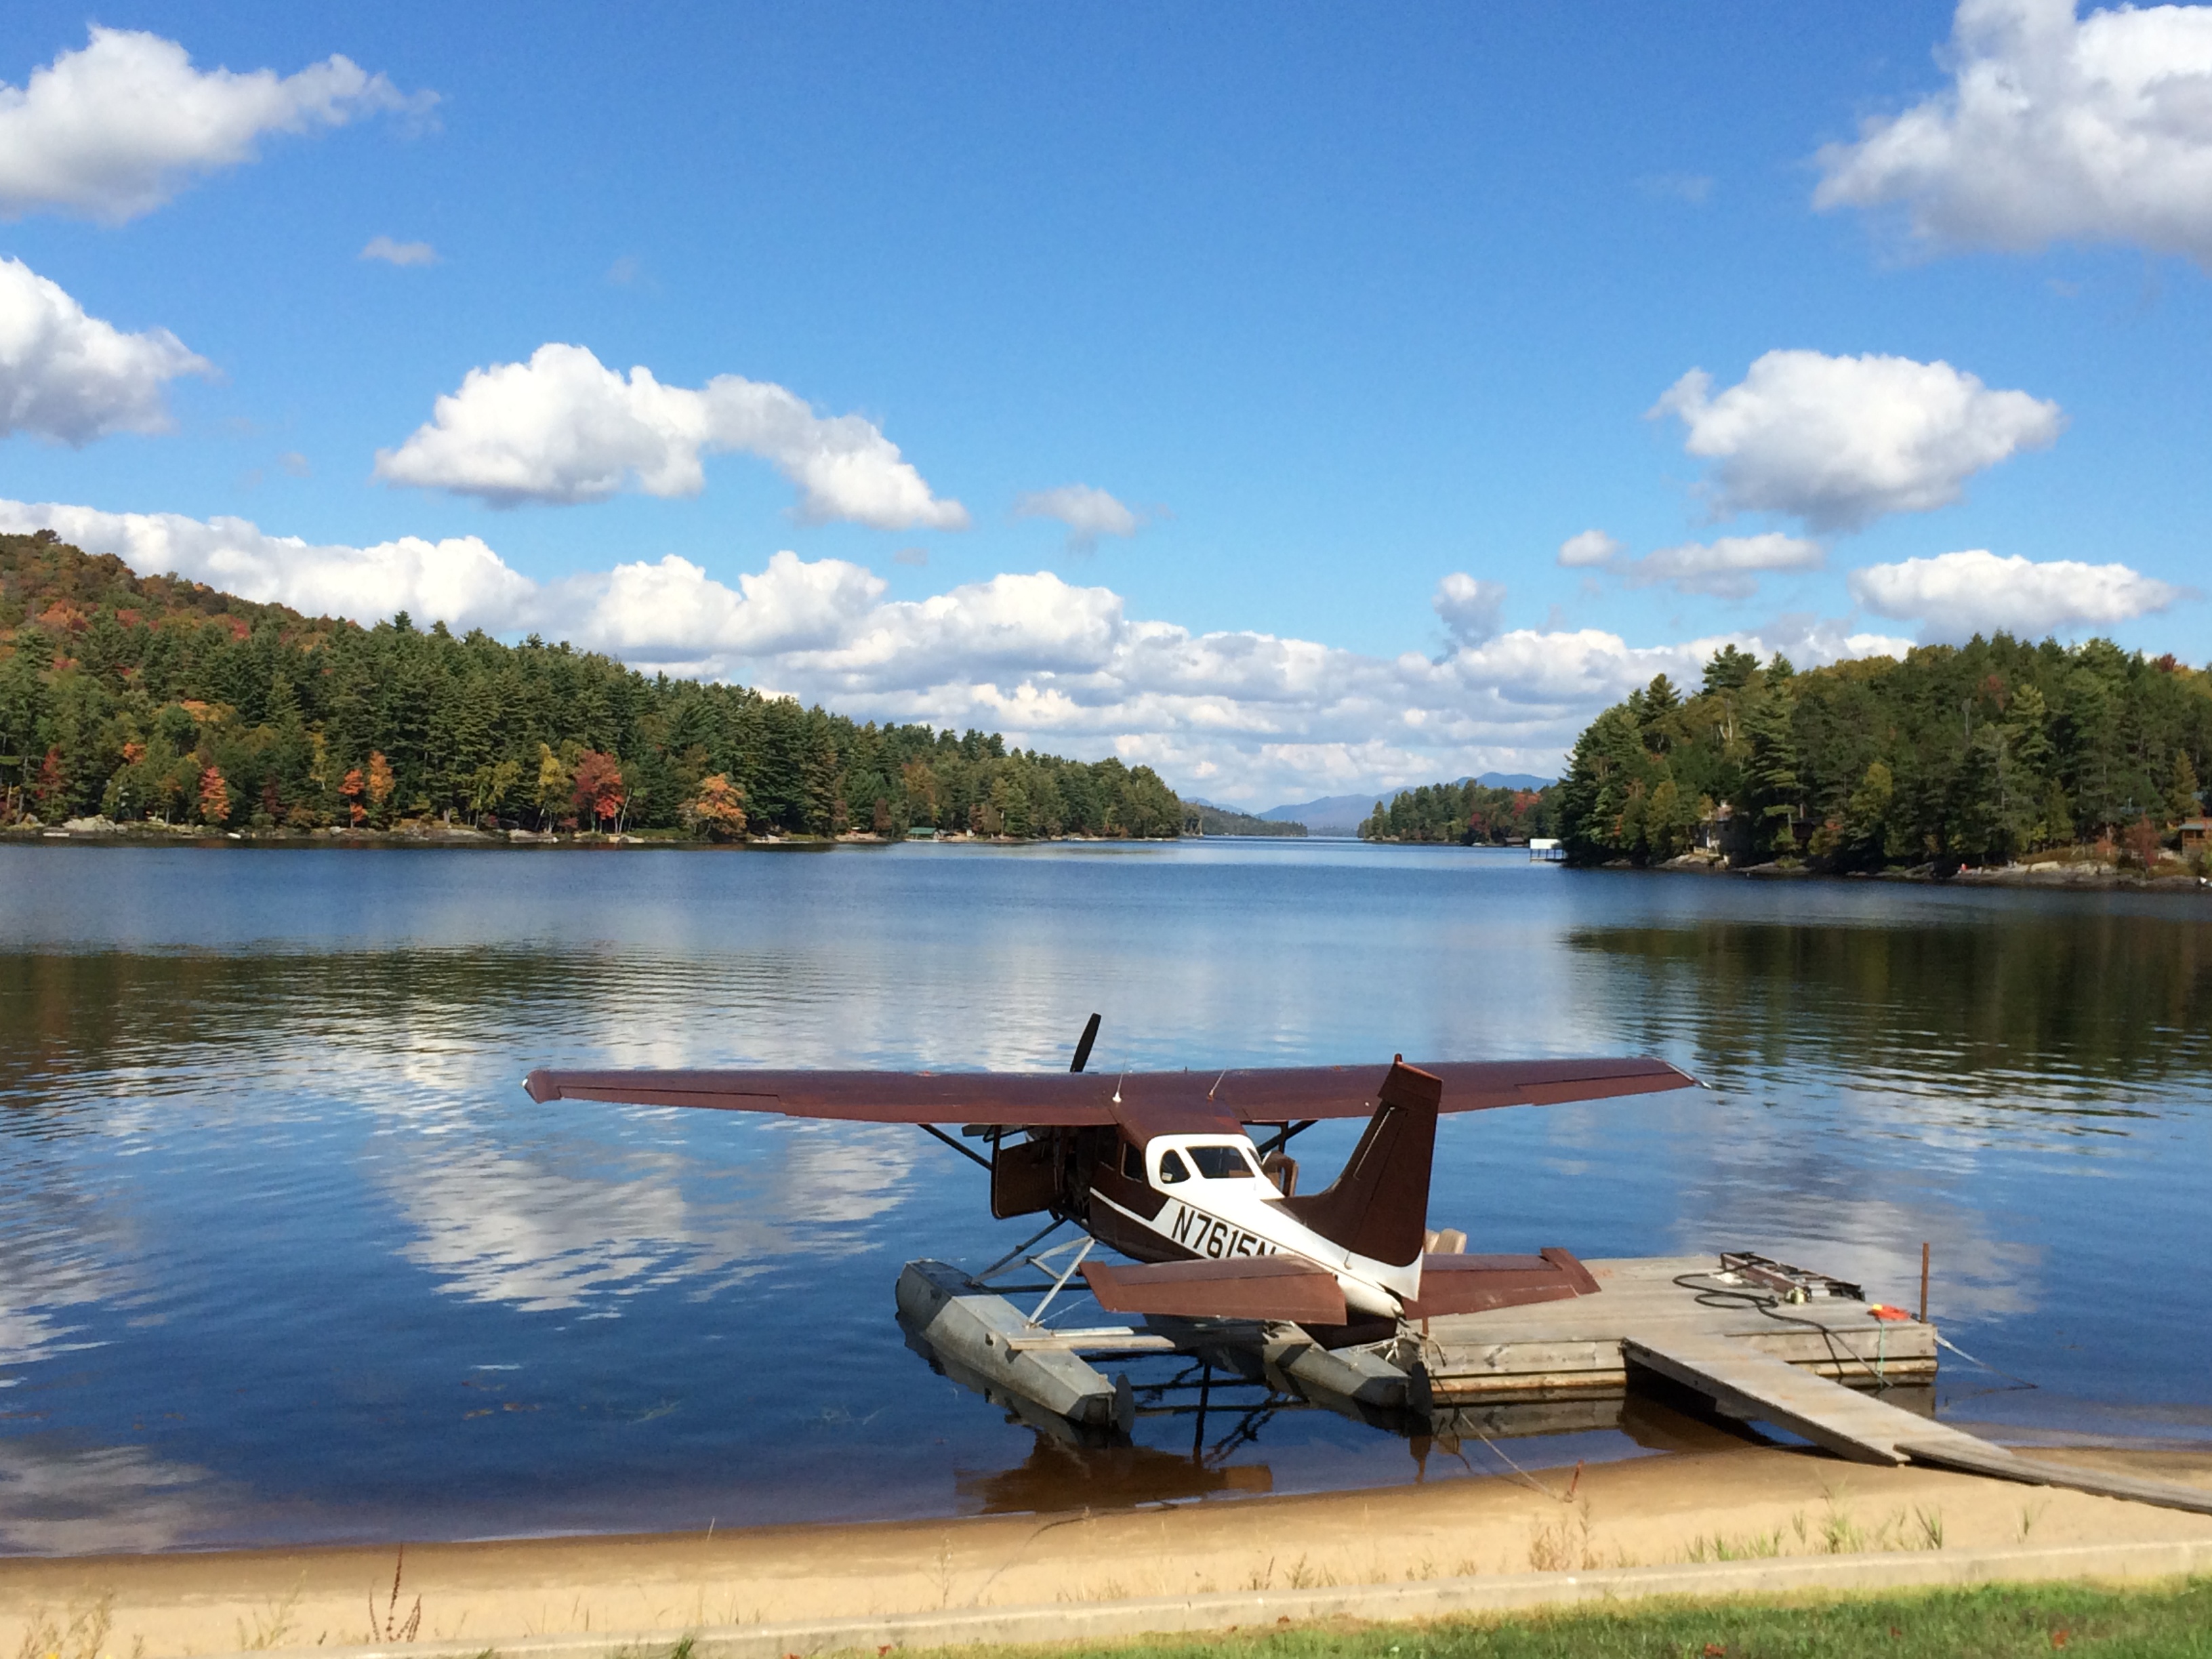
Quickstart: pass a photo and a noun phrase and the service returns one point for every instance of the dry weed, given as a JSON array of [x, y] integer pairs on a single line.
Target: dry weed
[[1563, 1546], [79, 1633], [270, 1628], [392, 1627]]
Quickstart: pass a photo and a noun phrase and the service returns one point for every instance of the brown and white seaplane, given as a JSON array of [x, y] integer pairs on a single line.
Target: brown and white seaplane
[[1163, 1167]]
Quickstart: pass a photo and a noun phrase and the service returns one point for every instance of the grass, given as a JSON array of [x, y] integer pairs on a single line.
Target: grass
[[2174, 1621]]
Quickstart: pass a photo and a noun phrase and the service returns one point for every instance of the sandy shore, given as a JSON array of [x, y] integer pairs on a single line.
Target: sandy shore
[[1726, 1497]]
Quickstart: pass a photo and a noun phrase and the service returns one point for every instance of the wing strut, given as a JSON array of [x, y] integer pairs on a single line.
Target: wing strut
[[1283, 1138], [972, 1156]]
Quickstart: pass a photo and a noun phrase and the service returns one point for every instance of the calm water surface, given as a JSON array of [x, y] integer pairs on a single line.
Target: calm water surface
[[286, 1253]]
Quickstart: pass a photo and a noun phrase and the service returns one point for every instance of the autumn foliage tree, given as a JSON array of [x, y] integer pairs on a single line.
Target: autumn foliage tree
[[215, 797], [380, 782], [598, 787], [718, 810], [51, 787]]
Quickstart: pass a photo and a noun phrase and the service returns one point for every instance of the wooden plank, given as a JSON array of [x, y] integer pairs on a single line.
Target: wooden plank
[[1745, 1383], [1978, 1457]]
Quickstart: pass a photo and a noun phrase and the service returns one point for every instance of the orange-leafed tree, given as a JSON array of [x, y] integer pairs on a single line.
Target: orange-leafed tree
[[380, 780], [215, 797], [598, 787], [349, 791], [718, 810]]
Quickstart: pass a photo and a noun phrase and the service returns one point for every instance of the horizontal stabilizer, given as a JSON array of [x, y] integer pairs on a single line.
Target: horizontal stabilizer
[[1476, 1283], [1268, 1287]]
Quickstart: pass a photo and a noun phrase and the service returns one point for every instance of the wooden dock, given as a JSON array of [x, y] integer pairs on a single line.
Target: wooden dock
[[1563, 1350]]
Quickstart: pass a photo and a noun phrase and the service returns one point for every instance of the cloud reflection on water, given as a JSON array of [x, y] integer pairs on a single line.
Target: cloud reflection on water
[[558, 1229], [57, 1500]]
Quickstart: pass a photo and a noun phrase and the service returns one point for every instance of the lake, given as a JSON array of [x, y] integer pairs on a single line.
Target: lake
[[287, 1255]]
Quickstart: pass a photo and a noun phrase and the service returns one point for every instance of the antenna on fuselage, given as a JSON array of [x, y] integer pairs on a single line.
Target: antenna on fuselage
[[1083, 1044]]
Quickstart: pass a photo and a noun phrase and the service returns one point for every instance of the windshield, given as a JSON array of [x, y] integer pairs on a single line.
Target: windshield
[[1218, 1163]]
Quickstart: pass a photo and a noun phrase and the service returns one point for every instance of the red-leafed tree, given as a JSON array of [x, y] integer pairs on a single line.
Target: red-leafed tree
[[215, 797], [52, 788], [598, 787]]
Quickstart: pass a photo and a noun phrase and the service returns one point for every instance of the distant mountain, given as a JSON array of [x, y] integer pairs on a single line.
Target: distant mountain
[[1344, 814], [1330, 815], [1203, 818]]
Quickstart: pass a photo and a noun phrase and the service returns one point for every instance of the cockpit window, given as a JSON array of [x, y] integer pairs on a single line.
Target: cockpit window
[[1132, 1161], [1220, 1162], [1172, 1168]]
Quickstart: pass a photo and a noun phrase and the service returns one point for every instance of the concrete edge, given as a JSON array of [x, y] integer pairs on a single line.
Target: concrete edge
[[1433, 1598]]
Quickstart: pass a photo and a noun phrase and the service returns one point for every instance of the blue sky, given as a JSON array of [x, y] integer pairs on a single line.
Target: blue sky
[[1356, 318]]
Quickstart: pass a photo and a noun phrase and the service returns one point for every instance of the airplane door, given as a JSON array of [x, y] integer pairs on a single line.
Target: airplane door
[[1023, 1175]]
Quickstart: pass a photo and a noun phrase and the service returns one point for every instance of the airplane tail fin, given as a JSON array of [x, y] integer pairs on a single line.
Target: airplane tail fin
[[1378, 1208]]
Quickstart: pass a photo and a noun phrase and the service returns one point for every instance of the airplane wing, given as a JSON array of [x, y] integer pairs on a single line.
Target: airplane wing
[[1236, 1287], [1042, 1099]]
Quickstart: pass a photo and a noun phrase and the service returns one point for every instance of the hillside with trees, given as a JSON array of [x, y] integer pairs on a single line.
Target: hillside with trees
[[1976, 754], [152, 698], [1465, 814], [1203, 818]]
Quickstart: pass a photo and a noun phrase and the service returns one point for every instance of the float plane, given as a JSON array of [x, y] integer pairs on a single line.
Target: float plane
[[1163, 1167]]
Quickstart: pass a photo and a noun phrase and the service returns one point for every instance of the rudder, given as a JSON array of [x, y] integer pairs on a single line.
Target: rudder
[[1378, 1208]]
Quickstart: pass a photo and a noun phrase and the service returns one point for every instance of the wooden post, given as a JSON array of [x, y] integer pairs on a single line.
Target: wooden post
[[1923, 1281]]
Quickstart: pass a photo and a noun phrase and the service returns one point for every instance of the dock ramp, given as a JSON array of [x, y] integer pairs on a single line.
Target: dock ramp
[[1743, 1382]]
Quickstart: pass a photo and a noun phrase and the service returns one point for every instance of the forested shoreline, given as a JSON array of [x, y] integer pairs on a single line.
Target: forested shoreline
[[1464, 814], [1983, 754], [154, 699]]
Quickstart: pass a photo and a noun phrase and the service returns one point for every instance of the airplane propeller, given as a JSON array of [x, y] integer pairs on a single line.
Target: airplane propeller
[[1083, 1044]]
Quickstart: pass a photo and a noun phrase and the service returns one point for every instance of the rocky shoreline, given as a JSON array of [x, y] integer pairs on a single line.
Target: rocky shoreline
[[435, 833], [2062, 875]]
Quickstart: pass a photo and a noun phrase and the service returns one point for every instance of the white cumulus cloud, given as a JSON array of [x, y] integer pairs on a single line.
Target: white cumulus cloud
[[1239, 714], [2055, 127], [1592, 548], [1727, 567], [1468, 608], [116, 128], [1958, 594], [565, 428], [1840, 442], [459, 579], [399, 253], [1088, 513], [69, 377]]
